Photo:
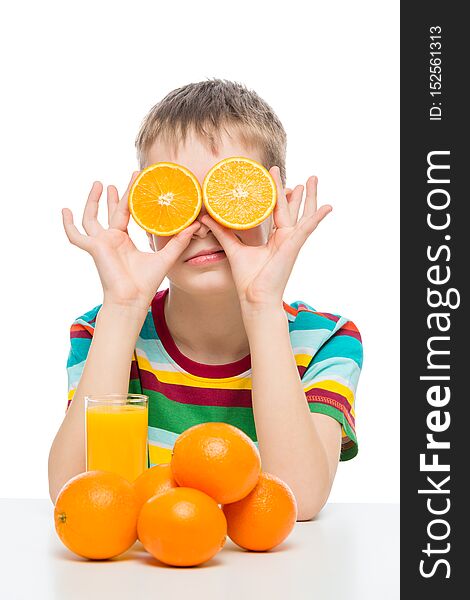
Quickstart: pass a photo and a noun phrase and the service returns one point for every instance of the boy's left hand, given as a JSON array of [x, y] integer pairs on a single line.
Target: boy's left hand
[[261, 272]]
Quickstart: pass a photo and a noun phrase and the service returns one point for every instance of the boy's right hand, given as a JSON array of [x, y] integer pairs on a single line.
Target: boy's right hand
[[130, 277]]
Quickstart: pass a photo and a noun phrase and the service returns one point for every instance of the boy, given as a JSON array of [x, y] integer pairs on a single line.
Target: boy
[[219, 344]]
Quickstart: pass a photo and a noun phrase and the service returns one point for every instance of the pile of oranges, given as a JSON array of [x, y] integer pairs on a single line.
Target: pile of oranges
[[180, 511]]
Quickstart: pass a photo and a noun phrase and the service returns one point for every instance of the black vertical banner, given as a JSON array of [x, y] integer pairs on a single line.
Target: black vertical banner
[[435, 268]]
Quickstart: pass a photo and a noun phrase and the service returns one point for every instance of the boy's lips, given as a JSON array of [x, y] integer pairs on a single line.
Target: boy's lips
[[206, 255], [206, 251]]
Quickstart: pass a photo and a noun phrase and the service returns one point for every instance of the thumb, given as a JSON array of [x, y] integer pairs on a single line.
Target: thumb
[[227, 238], [176, 246]]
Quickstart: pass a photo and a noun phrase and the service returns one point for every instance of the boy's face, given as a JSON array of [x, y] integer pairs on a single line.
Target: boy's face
[[213, 276]]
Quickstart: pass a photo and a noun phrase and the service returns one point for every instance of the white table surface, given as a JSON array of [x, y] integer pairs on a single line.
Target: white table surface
[[351, 551]]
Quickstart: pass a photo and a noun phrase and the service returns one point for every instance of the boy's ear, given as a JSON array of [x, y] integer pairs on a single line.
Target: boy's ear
[[150, 237], [287, 192]]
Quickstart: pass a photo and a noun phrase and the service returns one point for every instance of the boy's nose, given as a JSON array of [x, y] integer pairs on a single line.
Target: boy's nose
[[203, 211], [203, 229]]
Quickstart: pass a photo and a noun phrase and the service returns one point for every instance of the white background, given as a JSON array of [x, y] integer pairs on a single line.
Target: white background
[[79, 78]]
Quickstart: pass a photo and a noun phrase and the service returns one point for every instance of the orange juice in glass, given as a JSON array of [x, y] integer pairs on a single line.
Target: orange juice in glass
[[116, 433]]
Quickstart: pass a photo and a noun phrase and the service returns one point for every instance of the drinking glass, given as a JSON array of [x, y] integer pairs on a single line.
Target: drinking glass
[[116, 433]]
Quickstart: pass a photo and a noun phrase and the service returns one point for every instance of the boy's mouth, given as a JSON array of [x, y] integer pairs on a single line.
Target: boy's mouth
[[206, 255], [206, 252]]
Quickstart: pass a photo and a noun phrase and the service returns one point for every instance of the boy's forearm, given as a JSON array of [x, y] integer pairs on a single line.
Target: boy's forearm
[[288, 442], [106, 371]]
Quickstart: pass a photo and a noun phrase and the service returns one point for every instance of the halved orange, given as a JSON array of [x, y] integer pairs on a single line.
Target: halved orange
[[165, 198], [239, 192]]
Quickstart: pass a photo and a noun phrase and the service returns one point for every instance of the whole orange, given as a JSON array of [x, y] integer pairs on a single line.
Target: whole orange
[[265, 517], [182, 527], [218, 459], [96, 514], [153, 481]]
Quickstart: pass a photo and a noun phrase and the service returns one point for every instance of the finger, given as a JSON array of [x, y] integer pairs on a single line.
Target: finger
[[90, 222], [113, 201], [227, 238], [307, 225], [177, 244], [288, 192], [120, 217], [75, 237], [322, 212], [281, 212], [310, 207], [295, 200]]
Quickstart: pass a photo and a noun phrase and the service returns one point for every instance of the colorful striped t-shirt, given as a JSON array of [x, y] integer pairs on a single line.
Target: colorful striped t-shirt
[[183, 392]]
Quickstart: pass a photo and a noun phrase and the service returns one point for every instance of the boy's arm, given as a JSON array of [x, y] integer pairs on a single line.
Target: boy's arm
[[106, 371], [130, 278], [301, 448]]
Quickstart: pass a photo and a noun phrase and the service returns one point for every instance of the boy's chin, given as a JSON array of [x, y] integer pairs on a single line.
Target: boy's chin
[[206, 282]]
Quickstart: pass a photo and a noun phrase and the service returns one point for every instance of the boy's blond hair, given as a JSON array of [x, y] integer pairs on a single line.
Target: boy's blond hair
[[207, 107]]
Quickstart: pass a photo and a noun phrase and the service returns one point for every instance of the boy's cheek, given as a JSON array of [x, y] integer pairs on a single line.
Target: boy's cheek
[[258, 235], [160, 242]]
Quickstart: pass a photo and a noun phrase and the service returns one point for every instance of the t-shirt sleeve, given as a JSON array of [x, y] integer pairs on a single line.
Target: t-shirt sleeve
[[81, 336], [330, 381]]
